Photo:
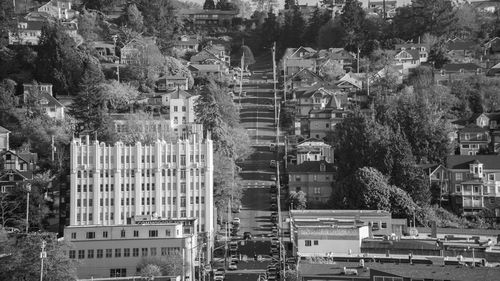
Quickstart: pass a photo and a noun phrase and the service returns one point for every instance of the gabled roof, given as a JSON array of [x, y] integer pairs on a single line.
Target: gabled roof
[[3, 130], [311, 167], [175, 94], [172, 77], [311, 141], [32, 24], [304, 71], [204, 67], [415, 54], [313, 90], [351, 79], [490, 162], [290, 52], [52, 102], [429, 169], [203, 55], [409, 46]]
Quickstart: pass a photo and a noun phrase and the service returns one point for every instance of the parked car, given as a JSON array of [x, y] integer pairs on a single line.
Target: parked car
[[273, 178], [236, 209], [274, 207], [233, 266], [247, 235], [272, 164], [236, 221], [272, 147]]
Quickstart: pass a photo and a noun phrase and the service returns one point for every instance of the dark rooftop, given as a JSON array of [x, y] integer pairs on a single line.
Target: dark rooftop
[[312, 167], [463, 161]]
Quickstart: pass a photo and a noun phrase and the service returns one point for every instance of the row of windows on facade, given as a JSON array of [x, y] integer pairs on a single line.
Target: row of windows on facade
[[125, 252], [316, 190], [120, 128], [123, 234], [148, 158], [315, 177], [144, 173], [144, 201], [468, 176], [144, 187], [168, 214]]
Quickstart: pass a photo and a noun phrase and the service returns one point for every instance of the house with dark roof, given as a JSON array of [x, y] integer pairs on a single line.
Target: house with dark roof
[[27, 32], [302, 79], [17, 169], [461, 51], [314, 178], [165, 83], [350, 82], [105, 51], [473, 139], [212, 54], [42, 95], [313, 98], [457, 71], [207, 70], [473, 183], [492, 46], [187, 43], [320, 122], [296, 59], [334, 56]]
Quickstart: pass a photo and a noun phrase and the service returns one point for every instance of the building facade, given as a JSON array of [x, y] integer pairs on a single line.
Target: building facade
[[314, 150], [314, 178], [28, 32], [110, 185], [116, 251]]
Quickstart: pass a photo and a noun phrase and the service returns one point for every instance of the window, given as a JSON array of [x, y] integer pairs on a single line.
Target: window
[[167, 233], [81, 254], [109, 253], [308, 243], [135, 252], [316, 242], [72, 254], [491, 177], [153, 251], [99, 253], [122, 233], [105, 234], [90, 254], [476, 189], [144, 252], [90, 235], [458, 176], [153, 233], [118, 253], [73, 235], [126, 252], [384, 225], [117, 272], [317, 190], [136, 233]]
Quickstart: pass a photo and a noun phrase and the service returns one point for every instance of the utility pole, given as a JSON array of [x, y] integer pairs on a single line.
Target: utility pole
[[241, 75], [28, 189], [52, 148], [284, 79], [43, 254], [357, 70], [274, 84]]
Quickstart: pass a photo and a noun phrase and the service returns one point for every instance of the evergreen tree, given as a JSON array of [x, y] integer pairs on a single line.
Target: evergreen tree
[[209, 5], [319, 18], [6, 20], [292, 29], [133, 18], [270, 31], [352, 19]]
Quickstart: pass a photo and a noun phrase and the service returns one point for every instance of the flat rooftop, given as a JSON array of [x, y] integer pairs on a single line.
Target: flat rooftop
[[319, 214]]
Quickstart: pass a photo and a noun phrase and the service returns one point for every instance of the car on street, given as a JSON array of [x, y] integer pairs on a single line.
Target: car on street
[[234, 258], [274, 207], [274, 198], [271, 278], [272, 147], [236, 221], [272, 164], [273, 178], [220, 272], [247, 235], [233, 266]]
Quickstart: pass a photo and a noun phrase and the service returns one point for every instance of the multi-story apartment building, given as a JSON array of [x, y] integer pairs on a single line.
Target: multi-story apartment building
[[180, 106], [314, 178], [117, 250], [110, 185], [474, 183]]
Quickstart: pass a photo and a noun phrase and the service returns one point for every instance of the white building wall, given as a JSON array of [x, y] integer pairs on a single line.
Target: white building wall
[[330, 240], [101, 176]]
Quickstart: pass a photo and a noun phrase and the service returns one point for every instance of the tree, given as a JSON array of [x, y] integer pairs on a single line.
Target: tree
[[316, 21], [352, 19], [60, 63], [297, 200], [331, 35], [209, 5], [100, 4], [437, 55], [150, 270], [8, 210], [118, 95], [248, 56], [171, 265], [269, 32], [7, 21], [136, 132], [24, 259], [293, 27], [133, 18], [90, 26], [290, 4]]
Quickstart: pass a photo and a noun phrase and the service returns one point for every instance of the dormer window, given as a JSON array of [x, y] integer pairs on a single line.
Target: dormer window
[[476, 168], [466, 136], [442, 73]]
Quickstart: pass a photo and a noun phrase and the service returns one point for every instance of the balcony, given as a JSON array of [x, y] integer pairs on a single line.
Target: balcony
[[472, 204]]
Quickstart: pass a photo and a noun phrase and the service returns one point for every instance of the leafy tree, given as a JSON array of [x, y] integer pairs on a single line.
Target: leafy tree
[[6, 21], [118, 95], [9, 210], [100, 4], [437, 55], [421, 78], [209, 5], [331, 35], [91, 26], [297, 200], [170, 265], [174, 66], [150, 270], [136, 132], [294, 25]]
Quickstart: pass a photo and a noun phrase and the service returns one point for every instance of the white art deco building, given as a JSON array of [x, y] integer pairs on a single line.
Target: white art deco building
[[114, 185]]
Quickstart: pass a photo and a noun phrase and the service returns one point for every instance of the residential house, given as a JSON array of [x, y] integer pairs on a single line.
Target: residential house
[[411, 55], [28, 32], [296, 59], [389, 74], [327, 59], [59, 9], [494, 70], [206, 18], [314, 178], [315, 97], [179, 103], [473, 183], [42, 95], [212, 54], [459, 51], [473, 139], [4, 139], [323, 121], [140, 51], [105, 51], [384, 8], [187, 43], [350, 82], [492, 46], [302, 79], [485, 6], [165, 83], [457, 71], [208, 70], [313, 149], [17, 169]]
